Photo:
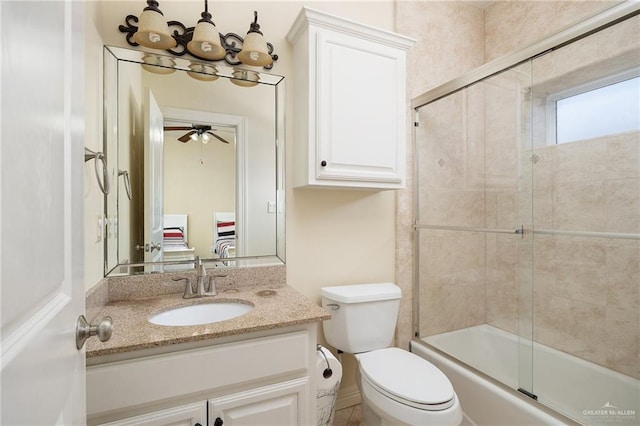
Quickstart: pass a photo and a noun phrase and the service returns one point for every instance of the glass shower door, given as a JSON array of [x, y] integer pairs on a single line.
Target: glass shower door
[[508, 191], [473, 212], [586, 199]]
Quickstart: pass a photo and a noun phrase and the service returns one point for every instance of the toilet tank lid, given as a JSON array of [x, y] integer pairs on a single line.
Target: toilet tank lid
[[357, 293]]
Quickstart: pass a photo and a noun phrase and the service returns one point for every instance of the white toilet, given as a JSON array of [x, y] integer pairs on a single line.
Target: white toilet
[[396, 386]]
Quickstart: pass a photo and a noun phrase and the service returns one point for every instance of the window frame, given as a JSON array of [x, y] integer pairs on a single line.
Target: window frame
[[553, 98]]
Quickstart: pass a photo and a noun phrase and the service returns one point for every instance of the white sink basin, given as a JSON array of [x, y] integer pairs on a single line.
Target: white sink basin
[[204, 313]]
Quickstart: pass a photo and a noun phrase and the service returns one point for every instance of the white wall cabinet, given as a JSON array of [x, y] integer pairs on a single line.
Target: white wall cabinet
[[350, 103], [262, 379]]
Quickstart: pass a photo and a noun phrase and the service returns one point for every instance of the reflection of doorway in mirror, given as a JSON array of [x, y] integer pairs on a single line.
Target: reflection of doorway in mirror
[[153, 189], [202, 178]]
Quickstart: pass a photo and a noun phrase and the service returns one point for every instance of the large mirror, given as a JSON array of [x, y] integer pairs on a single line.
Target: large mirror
[[195, 153]]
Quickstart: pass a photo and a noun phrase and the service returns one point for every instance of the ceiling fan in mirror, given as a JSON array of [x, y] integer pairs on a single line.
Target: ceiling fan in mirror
[[196, 132]]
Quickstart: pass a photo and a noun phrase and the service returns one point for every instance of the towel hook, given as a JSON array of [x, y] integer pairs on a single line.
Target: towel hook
[[104, 182], [127, 182]]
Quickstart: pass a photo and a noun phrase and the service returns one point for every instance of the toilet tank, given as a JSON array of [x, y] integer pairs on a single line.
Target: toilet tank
[[363, 316]]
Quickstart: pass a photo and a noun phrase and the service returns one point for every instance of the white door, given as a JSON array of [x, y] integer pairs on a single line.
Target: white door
[[41, 220], [153, 180]]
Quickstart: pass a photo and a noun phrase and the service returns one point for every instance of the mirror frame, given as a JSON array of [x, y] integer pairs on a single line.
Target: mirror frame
[[113, 267]]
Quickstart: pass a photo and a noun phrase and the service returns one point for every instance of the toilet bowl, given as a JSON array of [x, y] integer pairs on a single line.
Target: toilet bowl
[[400, 388], [396, 386]]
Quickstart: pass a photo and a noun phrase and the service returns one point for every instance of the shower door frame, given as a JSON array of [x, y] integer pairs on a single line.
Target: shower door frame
[[589, 26]]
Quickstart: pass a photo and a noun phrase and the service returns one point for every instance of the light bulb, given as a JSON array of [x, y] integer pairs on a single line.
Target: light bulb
[[205, 138], [194, 137]]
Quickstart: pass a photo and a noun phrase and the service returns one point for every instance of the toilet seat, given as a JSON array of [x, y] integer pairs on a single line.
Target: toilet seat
[[407, 379]]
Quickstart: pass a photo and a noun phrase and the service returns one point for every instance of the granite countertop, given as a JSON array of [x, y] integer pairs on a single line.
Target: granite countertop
[[274, 307]]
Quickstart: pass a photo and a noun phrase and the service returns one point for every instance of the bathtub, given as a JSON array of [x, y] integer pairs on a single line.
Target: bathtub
[[583, 391]]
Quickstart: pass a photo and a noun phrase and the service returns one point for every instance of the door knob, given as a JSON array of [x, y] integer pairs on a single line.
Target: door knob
[[148, 247], [84, 330]]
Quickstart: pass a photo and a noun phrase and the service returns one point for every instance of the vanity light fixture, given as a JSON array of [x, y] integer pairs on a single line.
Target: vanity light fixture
[[153, 30], [245, 78], [202, 41], [255, 51], [158, 64], [202, 72], [206, 39]]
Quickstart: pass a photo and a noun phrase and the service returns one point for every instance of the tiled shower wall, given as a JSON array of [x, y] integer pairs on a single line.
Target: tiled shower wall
[[477, 173], [454, 37]]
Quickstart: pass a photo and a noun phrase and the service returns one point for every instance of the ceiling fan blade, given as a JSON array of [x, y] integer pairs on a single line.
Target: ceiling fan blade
[[221, 139], [170, 128], [186, 137]]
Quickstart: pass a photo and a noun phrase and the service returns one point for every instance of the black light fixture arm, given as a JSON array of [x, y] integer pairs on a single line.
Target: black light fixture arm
[[231, 42]]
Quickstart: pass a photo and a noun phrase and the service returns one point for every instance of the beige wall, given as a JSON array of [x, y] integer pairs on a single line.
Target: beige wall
[[333, 236]]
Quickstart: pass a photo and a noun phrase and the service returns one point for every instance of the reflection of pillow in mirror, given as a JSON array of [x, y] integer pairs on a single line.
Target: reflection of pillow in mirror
[[226, 228], [173, 234]]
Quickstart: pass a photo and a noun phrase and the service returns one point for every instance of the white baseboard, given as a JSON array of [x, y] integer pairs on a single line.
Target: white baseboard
[[348, 397]]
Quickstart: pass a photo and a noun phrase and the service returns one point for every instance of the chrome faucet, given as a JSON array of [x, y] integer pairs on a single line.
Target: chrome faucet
[[201, 276]]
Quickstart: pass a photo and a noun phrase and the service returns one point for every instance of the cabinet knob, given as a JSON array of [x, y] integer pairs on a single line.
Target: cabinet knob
[[323, 163], [218, 422]]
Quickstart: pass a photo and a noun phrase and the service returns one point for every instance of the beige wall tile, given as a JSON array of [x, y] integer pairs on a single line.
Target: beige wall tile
[[451, 258], [579, 206], [451, 307], [452, 208], [623, 275], [623, 156], [623, 205], [578, 328], [622, 341], [511, 25], [580, 161]]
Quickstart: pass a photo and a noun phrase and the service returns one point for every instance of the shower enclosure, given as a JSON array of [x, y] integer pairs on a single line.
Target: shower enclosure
[[527, 209]]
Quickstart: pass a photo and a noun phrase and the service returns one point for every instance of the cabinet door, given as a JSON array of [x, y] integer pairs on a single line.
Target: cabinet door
[[285, 403], [360, 93], [184, 415]]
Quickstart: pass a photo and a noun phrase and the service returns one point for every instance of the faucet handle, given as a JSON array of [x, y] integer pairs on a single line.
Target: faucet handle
[[188, 290], [211, 287]]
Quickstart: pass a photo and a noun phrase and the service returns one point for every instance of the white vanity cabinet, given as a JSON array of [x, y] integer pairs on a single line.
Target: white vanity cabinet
[[265, 378], [350, 103], [184, 415], [277, 404]]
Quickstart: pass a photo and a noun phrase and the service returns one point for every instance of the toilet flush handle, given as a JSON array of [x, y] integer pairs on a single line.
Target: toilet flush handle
[[333, 306]]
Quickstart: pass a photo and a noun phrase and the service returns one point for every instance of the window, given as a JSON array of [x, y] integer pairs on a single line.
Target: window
[[599, 109]]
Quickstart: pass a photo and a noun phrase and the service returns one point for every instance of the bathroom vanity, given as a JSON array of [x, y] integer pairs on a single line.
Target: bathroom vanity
[[252, 369]]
